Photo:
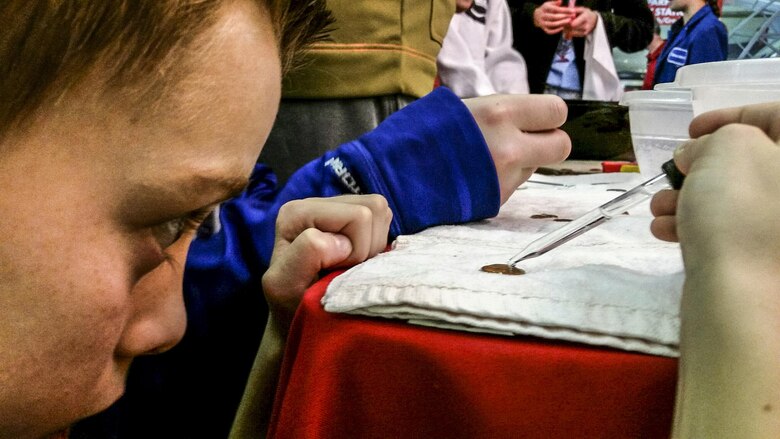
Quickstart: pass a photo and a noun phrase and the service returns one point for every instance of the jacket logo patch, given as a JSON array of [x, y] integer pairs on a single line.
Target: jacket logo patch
[[341, 171], [678, 56]]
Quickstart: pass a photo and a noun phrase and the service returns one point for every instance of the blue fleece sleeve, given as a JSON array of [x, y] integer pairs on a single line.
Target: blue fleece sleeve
[[431, 163], [429, 160]]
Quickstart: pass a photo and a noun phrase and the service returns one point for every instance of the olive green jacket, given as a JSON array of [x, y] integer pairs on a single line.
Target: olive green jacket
[[377, 47]]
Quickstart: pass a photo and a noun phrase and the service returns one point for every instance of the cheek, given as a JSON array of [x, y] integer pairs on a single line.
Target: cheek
[[63, 308]]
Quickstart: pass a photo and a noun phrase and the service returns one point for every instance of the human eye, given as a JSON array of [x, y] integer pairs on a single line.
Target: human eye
[[168, 232]]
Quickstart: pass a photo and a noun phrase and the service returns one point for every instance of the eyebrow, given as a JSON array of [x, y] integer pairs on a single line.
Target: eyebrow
[[227, 187], [190, 192]]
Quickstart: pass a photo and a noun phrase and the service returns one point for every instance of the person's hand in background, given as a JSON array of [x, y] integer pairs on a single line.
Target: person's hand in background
[[552, 17], [583, 23], [522, 134], [462, 5]]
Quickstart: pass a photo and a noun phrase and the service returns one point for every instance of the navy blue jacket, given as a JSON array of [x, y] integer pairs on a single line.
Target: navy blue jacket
[[703, 39], [431, 163]]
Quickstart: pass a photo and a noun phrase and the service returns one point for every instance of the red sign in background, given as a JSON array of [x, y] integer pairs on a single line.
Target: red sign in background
[[663, 14]]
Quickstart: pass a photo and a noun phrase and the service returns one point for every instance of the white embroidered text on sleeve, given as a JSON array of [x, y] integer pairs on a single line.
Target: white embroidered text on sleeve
[[346, 177]]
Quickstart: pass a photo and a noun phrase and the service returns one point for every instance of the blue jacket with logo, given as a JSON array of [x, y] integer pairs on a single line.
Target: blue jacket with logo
[[431, 163], [703, 39]]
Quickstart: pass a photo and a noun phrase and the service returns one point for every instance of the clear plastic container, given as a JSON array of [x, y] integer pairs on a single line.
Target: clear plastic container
[[659, 122]]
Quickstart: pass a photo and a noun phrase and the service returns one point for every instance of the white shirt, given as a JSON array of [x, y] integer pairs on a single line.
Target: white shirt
[[477, 57]]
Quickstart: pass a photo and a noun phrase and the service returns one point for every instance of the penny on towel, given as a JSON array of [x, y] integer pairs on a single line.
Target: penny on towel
[[502, 269]]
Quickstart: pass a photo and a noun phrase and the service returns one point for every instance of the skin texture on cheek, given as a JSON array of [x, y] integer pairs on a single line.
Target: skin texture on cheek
[[61, 321]]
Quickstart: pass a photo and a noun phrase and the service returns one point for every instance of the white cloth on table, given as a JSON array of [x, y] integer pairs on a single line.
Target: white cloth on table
[[613, 286]]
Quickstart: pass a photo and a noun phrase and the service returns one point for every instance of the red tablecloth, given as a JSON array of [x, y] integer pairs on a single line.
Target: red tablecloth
[[345, 376]]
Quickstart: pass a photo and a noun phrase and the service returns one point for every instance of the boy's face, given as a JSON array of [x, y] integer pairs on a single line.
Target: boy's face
[[93, 198]]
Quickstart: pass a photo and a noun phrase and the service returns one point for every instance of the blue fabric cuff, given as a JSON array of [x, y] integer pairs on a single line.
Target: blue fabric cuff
[[430, 161]]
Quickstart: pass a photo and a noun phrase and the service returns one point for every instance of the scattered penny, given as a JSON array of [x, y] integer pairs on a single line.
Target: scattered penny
[[562, 220], [502, 269], [543, 216]]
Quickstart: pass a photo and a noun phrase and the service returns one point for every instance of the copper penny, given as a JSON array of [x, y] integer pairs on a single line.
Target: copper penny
[[503, 269]]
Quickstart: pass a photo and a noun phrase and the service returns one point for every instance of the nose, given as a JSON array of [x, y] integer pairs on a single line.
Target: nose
[[158, 318]]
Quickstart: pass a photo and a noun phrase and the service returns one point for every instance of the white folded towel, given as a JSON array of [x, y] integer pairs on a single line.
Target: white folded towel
[[614, 286]]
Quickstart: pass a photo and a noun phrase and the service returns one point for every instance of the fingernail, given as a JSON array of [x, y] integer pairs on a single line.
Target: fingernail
[[679, 150]]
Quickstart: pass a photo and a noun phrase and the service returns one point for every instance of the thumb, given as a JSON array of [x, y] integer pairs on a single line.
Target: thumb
[[295, 267], [687, 152]]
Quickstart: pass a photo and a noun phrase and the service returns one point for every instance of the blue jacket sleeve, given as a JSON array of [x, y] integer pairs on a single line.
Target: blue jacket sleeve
[[710, 46], [429, 160]]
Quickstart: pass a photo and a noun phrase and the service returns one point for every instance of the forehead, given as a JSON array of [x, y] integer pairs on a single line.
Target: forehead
[[221, 113]]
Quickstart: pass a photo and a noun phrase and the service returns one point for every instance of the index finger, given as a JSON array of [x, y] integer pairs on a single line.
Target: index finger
[[535, 112], [553, 19], [764, 116], [552, 4]]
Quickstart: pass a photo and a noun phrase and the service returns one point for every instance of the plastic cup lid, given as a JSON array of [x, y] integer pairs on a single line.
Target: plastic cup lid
[[656, 97], [739, 71]]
